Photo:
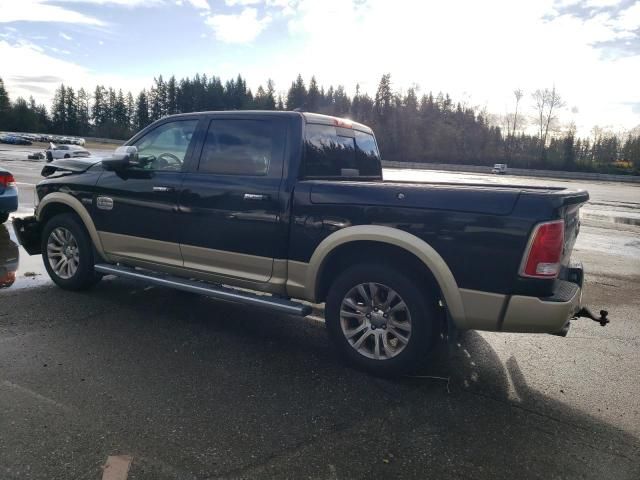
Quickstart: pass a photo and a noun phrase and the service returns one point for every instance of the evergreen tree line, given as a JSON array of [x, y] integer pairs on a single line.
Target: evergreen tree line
[[409, 128]]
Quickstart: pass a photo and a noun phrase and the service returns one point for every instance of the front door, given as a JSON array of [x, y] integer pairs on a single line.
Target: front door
[[136, 210], [230, 206]]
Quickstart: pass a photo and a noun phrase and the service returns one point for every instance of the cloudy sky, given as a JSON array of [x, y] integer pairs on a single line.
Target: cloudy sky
[[478, 51]]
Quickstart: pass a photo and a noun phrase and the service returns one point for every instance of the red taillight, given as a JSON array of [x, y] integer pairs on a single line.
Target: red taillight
[[7, 180], [542, 258], [7, 280]]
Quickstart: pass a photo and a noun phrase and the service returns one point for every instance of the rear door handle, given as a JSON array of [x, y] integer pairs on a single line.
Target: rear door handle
[[256, 196], [164, 189]]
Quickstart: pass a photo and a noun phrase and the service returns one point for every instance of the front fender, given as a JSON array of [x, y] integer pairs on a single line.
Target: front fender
[[75, 205]]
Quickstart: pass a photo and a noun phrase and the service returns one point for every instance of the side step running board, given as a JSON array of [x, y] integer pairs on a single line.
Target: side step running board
[[214, 291]]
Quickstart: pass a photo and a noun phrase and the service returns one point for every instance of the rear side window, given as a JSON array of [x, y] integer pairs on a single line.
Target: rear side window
[[338, 152], [241, 147]]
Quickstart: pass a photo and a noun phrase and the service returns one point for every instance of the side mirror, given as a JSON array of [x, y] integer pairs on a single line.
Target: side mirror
[[123, 158]]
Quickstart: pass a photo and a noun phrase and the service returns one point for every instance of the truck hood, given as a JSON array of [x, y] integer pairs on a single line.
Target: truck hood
[[72, 165]]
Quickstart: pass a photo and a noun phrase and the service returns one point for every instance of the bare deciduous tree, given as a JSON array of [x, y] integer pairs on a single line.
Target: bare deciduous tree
[[518, 94], [547, 103], [512, 125]]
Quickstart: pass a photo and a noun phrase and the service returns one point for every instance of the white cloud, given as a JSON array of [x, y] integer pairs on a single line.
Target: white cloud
[[602, 3], [200, 4], [60, 50], [25, 62], [486, 52], [61, 10], [119, 3], [240, 28], [233, 3], [39, 11], [630, 18], [65, 36]]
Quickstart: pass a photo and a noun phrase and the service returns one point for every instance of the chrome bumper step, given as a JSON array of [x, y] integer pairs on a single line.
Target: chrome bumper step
[[214, 291]]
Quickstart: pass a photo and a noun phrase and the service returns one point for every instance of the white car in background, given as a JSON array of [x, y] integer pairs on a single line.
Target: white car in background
[[499, 169], [65, 151]]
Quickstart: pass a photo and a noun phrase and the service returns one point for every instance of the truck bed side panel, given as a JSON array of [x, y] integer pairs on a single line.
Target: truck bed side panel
[[483, 251]]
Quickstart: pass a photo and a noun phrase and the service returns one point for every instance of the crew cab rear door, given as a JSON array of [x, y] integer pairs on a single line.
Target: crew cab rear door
[[230, 214]]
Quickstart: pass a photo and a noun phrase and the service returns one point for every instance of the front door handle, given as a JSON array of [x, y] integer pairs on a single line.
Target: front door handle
[[256, 196], [164, 189]]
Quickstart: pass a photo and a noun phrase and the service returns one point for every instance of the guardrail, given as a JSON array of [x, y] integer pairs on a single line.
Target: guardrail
[[104, 140], [523, 172]]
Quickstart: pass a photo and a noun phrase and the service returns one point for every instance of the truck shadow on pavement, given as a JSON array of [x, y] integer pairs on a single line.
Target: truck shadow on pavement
[[193, 388]]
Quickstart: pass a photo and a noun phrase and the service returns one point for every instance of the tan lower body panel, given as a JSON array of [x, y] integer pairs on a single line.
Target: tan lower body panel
[[234, 269], [532, 315], [145, 249], [482, 309], [219, 262], [296, 278]]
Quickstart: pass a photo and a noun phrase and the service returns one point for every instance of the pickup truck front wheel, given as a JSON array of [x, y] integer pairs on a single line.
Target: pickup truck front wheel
[[381, 319], [68, 254]]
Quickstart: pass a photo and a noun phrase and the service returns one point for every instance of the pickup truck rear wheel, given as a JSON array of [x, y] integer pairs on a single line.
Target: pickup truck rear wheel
[[4, 216], [67, 252], [381, 319]]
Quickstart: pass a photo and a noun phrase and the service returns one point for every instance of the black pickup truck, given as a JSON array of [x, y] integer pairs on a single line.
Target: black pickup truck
[[281, 210]]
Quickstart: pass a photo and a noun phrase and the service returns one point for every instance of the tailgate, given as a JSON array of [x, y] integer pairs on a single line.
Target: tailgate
[[571, 201]]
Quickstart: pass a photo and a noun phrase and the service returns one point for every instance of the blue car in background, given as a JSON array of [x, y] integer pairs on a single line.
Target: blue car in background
[[8, 195]]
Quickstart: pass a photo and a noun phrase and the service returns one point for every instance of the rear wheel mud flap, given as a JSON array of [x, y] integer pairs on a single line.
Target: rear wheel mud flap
[[28, 231]]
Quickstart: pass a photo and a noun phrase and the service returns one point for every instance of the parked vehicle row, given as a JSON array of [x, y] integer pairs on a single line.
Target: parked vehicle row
[[11, 139], [29, 138]]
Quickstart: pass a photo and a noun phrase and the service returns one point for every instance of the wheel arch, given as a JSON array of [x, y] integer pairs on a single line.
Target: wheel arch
[[393, 239], [60, 202]]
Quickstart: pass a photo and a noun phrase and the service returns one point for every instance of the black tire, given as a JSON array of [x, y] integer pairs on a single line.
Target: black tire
[[4, 216], [420, 306], [84, 276]]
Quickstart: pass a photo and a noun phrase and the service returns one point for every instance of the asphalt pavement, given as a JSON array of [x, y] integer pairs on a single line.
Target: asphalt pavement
[[190, 388]]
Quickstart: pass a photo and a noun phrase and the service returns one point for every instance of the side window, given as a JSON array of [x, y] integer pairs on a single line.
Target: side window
[[368, 156], [241, 147], [337, 152], [165, 147]]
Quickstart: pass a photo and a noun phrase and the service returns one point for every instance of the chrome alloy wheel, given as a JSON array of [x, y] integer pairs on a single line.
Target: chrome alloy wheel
[[375, 321], [63, 254]]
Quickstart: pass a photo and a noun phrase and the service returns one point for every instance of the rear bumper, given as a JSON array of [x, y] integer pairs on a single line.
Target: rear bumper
[[9, 200], [544, 315]]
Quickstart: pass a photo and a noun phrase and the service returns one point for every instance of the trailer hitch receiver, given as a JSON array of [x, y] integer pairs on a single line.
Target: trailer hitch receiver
[[586, 313]]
